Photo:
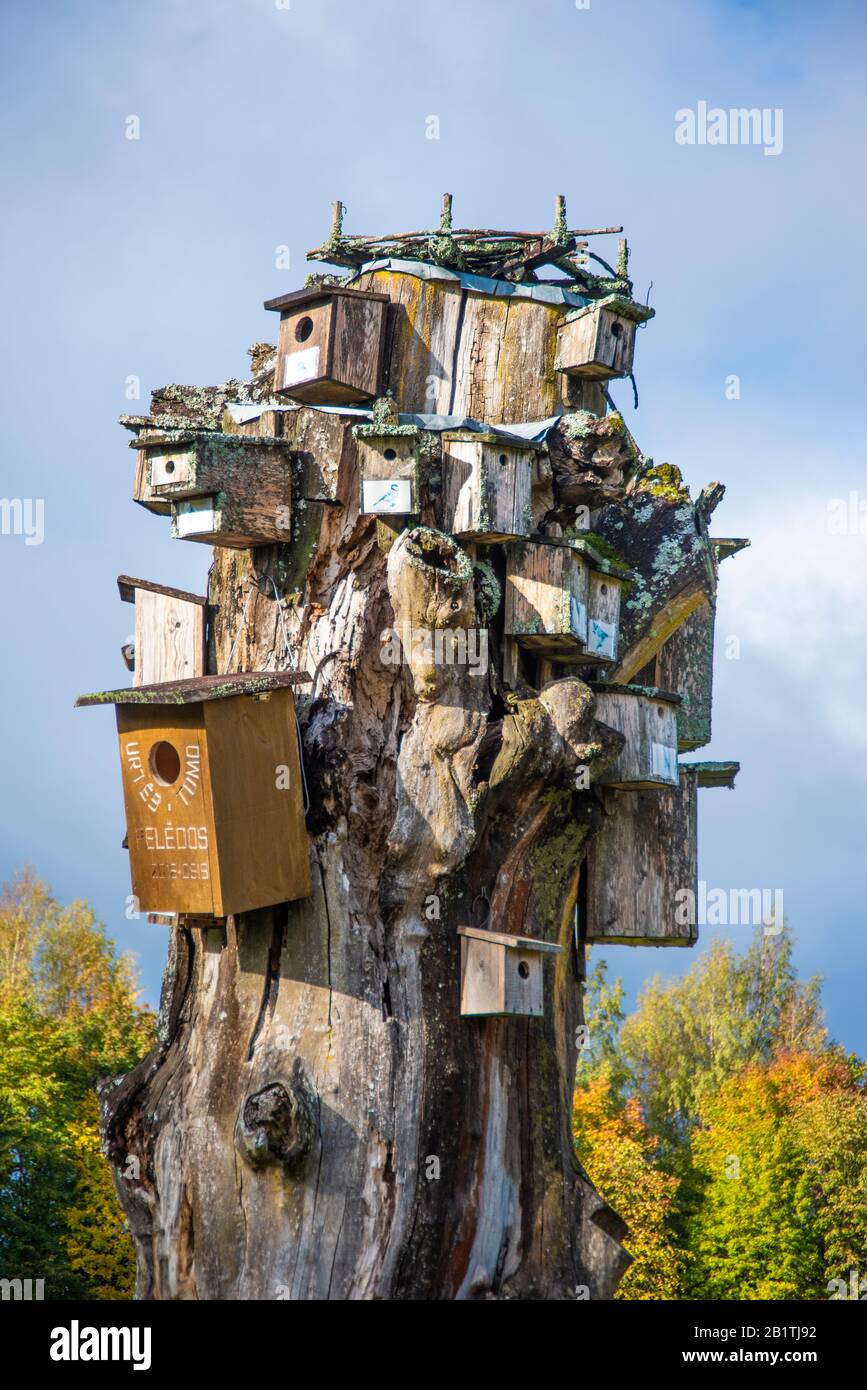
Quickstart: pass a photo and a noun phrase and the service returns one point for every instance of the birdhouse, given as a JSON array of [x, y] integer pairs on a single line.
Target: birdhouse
[[213, 792], [648, 721], [331, 344], [169, 631], [487, 482], [642, 867], [501, 975], [388, 466], [224, 489], [563, 600], [599, 341], [547, 595]]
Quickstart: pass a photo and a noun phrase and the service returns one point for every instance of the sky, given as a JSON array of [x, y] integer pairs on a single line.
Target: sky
[[149, 259]]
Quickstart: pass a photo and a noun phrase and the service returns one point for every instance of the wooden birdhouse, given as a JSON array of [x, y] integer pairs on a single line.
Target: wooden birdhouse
[[169, 631], [487, 482], [501, 975], [547, 594], [331, 344], [388, 466], [224, 489], [599, 341], [213, 792], [648, 721], [641, 868], [563, 600]]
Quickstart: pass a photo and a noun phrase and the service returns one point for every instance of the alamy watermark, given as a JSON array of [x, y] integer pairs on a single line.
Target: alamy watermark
[[440, 646], [23, 516], [740, 125], [730, 907]]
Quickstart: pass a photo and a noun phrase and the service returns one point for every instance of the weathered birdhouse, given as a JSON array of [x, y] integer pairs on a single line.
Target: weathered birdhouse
[[487, 482], [648, 721], [213, 792], [169, 631], [547, 594], [599, 340], [331, 344], [563, 600], [388, 465], [501, 975], [642, 867], [225, 489]]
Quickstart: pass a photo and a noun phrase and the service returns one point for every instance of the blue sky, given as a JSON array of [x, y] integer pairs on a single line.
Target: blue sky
[[152, 258]]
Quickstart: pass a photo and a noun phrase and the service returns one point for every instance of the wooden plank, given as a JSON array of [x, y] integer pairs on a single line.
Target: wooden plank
[[643, 856], [487, 489], [519, 943], [170, 827], [685, 663], [359, 344], [547, 591], [263, 849], [648, 722], [169, 638], [190, 692], [127, 587]]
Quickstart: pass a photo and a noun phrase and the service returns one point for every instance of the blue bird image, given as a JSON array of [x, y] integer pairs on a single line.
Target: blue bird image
[[389, 497]]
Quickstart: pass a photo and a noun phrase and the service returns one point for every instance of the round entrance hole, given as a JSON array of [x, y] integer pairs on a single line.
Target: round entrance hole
[[303, 328], [603, 589], [523, 970], [503, 458], [165, 763], [170, 466], [616, 329], [390, 454]]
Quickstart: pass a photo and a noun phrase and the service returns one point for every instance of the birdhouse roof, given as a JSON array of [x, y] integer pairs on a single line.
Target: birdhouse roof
[[194, 692], [517, 943], [650, 692], [296, 298], [127, 587], [712, 774]]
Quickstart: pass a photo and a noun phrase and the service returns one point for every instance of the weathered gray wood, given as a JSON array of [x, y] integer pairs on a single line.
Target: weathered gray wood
[[547, 593], [685, 663], [384, 462], [487, 488], [169, 638], [596, 343], [639, 867], [648, 722]]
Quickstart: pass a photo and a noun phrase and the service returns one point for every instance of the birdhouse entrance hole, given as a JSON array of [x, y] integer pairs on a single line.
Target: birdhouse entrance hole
[[165, 763], [303, 329]]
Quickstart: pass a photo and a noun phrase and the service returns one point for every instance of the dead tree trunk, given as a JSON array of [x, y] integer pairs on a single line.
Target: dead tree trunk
[[318, 1121]]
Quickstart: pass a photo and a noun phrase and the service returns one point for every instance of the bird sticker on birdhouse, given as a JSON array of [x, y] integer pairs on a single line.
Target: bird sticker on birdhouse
[[213, 792], [388, 467], [170, 627], [647, 719], [487, 486], [331, 344], [598, 342], [501, 975]]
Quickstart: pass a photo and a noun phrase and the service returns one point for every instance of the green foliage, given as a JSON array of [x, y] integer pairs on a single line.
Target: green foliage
[[745, 1128], [68, 1014]]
